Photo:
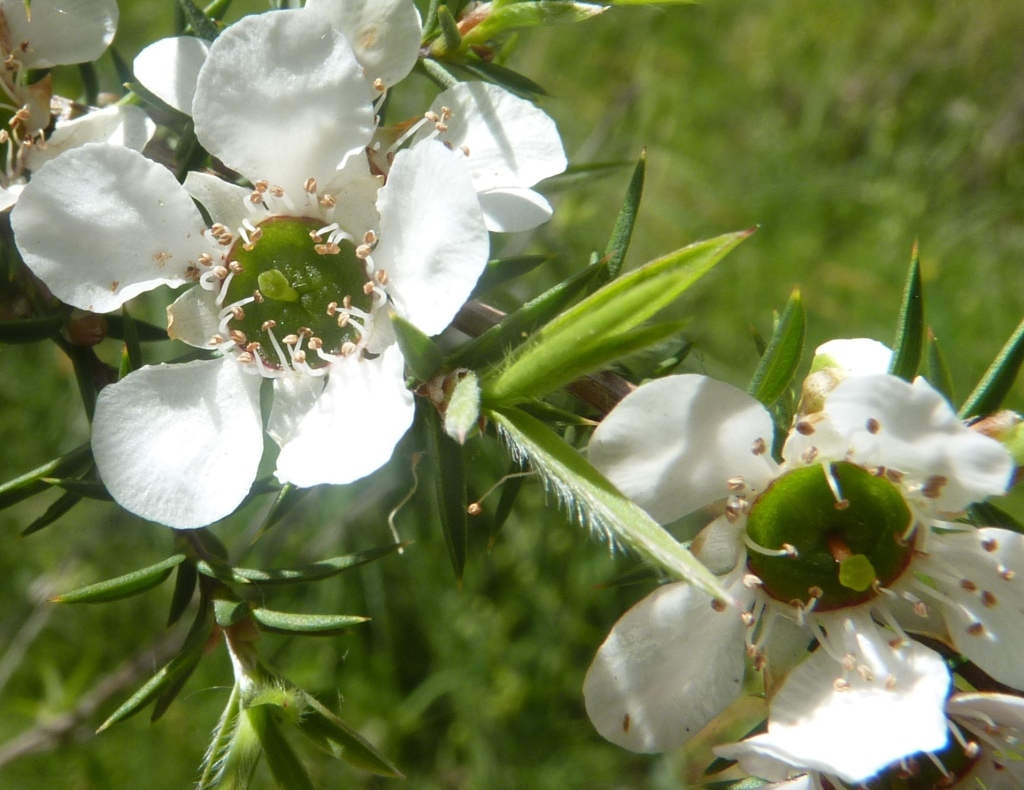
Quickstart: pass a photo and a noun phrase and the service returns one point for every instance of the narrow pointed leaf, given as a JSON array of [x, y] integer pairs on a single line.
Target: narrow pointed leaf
[[513, 81], [53, 512], [217, 9], [202, 26], [322, 624], [171, 691], [287, 498], [30, 330], [450, 484], [782, 355], [437, 73], [87, 489], [131, 339], [908, 346], [985, 514], [421, 353], [995, 385], [184, 588], [616, 308], [318, 571], [463, 410], [596, 503], [430, 23], [320, 724], [31, 483], [516, 16], [938, 371], [284, 764], [451, 39], [622, 233], [123, 586], [502, 270], [670, 364]]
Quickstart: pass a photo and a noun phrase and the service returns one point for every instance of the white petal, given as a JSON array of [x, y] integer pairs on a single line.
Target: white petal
[[355, 191], [784, 649], [61, 31], [513, 209], [294, 396], [354, 425], [8, 197], [433, 242], [224, 202], [511, 142], [180, 444], [859, 356], [385, 34], [977, 712], [719, 545], [992, 561], [672, 444], [669, 666], [169, 68], [878, 718], [101, 223], [128, 126], [282, 98], [756, 763], [193, 318], [918, 434]]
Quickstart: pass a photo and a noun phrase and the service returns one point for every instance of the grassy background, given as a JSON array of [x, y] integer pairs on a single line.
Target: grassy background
[[844, 130]]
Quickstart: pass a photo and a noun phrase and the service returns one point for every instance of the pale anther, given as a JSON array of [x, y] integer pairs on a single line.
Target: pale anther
[[368, 288], [378, 85], [719, 605], [933, 486], [310, 186], [735, 484], [967, 584], [988, 600], [261, 186], [216, 340], [381, 276], [976, 629], [316, 343], [256, 197], [206, 259], [277, 191], [299, 356], [841, 685], [363, 251], [220, 272], [328, 201], [873, 425], [245, 358], [760, 447], [257, 297], [332, 308], [238, 336], [990, 545], [348, 348], [369, 237], [290, 340], [235, 267], [890, 683], [432, 116], [464, 149], [270, 324]]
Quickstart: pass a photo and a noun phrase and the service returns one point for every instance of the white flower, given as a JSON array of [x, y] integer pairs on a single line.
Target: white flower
[[295, 275], [848, 532], [985, 752]]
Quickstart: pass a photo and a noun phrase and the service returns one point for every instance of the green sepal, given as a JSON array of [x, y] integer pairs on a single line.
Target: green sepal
[[171, 691], [53, 512], [318, 571], [549, 359], [87, 489], [516, 327], [450, 40], [596, 502], [90, 83], [31, 483], [86, 365], [230, 611], [190, 653], [437, 73], [30, 330], [189, 153], [463, 411], [123, 586], [450, 485], [985, 514], [622, 233], [234, 752], [131, 339], [332, 735], [938, 371], [217, 9], [670, 364], [513, 81], [202, 26], [184, 588], [285, 766], [782, 355], [995, 385], [309, 624], [515, 16], [502, 270], [286, 500], [908, 346], [421, 353], [553, 415]]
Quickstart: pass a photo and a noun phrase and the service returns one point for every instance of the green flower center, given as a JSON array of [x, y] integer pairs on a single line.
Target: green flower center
[[300, 289], [838, 547]]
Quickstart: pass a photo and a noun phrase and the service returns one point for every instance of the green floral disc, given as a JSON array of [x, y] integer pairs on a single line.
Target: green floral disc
[[842, 547], [297, 284]]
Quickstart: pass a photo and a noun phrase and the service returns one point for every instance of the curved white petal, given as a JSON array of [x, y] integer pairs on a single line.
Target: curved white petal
[[859, 356], [719, 546], [101, 223], [169, 69], [282, 98], [854, 723], [294, 396], [224, 202], [511, 142], [673, 444], [813, 440], [180, 444], [669, 666], [999, 768], [61, 31], [911, 428], [987, 590], [433, 242], [513, 209], [8, 197], [128, 126], [384, 34], [354, 425], [193, 318], [355, 191], [757, 763]]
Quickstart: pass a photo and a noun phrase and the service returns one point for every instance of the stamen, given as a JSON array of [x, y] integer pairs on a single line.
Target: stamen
[[787, 550]]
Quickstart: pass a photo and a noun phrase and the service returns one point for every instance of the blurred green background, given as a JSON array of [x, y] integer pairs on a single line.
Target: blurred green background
[[844, 130]]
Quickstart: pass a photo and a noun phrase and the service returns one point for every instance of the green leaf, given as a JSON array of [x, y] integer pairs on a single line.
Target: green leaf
[[995, 385], [321, 725], [31, 483], [430, 24], [53, 512], [234, 751], [287, 498], [622, 233], [318, 571], [670, 364], [284, 764], [217, 9], [516, 16], [549, 360], [513, 81], [502, 270], [909, 343], [131, 339], [437, 73], [320, 624], [421, 353], [123, 586], [171, 691], [228, 611], [202, 26], [30, 330], [450, 484], [463, 410], [87, 489], [782, 356], [985, 514], [938, 371], [90, 83], [451, 39], [184, 588], [593, 500]]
